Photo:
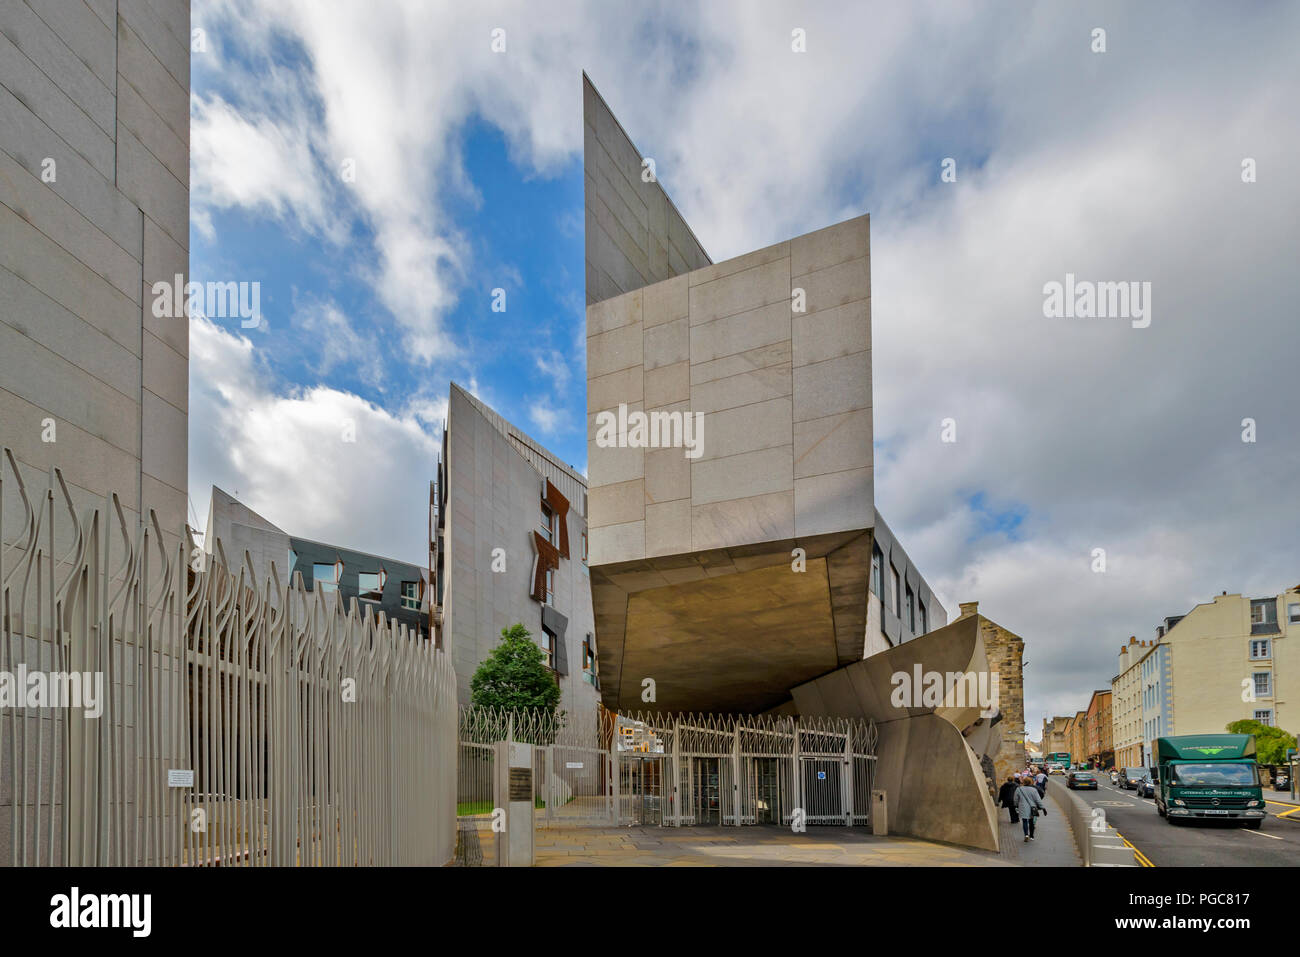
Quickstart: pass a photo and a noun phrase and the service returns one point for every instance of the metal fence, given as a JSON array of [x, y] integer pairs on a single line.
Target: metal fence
[[612, 769], [237, 722]]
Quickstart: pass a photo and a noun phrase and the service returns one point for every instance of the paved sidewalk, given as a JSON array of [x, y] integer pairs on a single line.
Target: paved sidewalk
[[748, 846], [1052, 846]]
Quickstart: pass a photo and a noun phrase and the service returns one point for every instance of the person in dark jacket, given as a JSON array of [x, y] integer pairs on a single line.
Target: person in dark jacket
[[1007, 798], [1029, 804]]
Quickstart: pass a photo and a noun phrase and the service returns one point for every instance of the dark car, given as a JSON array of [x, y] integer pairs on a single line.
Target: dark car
[[1281, 781], [1146, 787], [1129, 778], [1081, 781]]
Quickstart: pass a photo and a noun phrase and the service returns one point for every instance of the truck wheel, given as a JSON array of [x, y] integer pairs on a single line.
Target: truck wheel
[[1253, 825]]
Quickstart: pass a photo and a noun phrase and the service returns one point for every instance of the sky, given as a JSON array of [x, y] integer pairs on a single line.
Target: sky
[[380, 169]]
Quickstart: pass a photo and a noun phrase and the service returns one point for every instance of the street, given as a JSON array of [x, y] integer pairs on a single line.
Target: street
[[1197, 843]]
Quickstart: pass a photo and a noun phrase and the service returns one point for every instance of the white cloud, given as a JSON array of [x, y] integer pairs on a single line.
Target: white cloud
[[288, 457]]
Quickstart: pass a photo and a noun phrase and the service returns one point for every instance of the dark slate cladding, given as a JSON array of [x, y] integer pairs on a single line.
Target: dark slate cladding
[[894, 626], [311, 553]]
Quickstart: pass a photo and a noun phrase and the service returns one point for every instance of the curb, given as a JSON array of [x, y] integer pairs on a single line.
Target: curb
[[1097, 848]]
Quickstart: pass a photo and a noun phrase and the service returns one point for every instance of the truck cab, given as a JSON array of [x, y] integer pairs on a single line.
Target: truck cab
[[1208, 777]]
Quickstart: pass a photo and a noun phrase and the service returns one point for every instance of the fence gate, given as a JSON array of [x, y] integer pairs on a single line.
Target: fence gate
[[671, 770]]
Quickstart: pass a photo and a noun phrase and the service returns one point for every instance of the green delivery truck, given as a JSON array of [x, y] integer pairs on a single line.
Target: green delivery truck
[[1208, 776]]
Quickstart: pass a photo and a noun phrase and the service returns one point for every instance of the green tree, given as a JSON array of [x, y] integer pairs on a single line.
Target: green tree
[[1270, 743], [514, 676]]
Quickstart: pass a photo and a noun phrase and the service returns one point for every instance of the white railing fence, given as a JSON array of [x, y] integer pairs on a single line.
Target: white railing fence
[[161, 707], [616, 769]]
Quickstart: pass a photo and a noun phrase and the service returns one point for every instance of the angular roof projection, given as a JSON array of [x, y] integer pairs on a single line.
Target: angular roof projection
[[693, 551], [635, 235]]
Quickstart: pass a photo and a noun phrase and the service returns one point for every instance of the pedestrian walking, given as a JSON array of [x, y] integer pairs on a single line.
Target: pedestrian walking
[[1040, 782], [1007, 797], [1029, 804]]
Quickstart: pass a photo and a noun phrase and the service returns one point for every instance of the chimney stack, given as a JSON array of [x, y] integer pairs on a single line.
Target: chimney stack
[[968, 608]]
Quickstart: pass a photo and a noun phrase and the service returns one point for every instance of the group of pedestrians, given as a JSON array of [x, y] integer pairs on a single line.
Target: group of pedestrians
[[1022, 795]]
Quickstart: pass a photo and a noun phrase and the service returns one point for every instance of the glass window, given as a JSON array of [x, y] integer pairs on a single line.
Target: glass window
[[877, 572], [1264, 717], [588, 656], [546, 524], [1259, 648], [370, 585], [925, 619], [325, 575], [911, 610], [548, 646], [1293, 612], [1215, 775], [896, 604], [550, 587], [411, 595], [1263, 611], [1263, 684]]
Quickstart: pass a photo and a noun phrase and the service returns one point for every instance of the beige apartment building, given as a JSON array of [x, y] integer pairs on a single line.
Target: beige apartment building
[[1126, 704], [1233, 658]]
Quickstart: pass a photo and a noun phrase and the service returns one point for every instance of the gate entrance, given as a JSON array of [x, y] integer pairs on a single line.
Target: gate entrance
[[706, 792], [675, 770], [641, 789], [823, 790]]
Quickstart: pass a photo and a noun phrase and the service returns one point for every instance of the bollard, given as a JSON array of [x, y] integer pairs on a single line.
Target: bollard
[[879, 814]]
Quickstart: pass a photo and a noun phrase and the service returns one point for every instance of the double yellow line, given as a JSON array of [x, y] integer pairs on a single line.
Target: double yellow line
[[1295, 809], [1142, 858]]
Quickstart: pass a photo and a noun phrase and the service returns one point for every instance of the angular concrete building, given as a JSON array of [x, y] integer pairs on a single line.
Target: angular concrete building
[[738, 563], [509, 545], [735, 535], [94, 208]]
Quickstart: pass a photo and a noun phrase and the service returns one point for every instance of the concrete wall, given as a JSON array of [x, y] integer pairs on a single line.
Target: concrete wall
[[930, 760], [101, 90], [784, 400], [634, 234], [493, 500]]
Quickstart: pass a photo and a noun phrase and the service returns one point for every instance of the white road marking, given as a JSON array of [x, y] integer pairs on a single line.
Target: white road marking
[[1271, 837]]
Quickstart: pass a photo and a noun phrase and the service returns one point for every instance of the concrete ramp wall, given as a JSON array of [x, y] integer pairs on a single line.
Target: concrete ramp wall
[[933, 778]]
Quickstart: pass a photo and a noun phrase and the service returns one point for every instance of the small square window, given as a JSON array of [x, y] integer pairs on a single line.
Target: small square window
[[1264, 716], [411, 595], [326, 575], [1259, 648], [370, 585], [1263, 684], [1293, 612]]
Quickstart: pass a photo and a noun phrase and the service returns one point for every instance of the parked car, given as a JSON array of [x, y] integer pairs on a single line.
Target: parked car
[[1281, 780], [1081, 781], [1129, 778], [1146, 787]]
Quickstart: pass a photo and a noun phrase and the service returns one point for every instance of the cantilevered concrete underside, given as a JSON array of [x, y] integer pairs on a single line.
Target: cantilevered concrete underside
[[730, 629]]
